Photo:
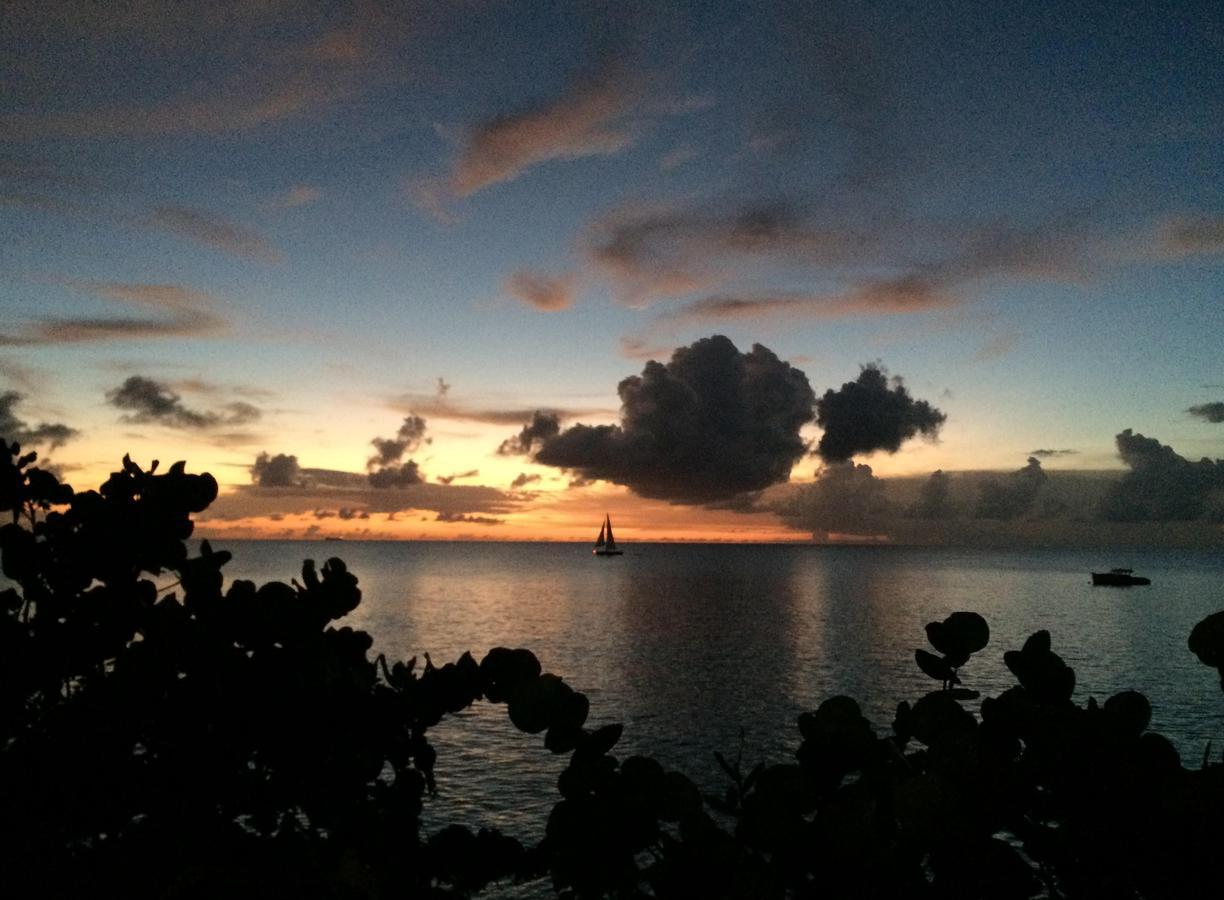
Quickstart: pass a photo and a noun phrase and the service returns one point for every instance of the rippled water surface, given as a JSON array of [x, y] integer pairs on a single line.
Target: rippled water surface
[[692, 645]]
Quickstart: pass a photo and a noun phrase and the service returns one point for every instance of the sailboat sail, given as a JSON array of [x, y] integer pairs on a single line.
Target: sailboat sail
[[606, 545]]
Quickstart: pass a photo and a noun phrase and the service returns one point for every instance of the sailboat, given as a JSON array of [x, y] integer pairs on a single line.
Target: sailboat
[[606, 545]]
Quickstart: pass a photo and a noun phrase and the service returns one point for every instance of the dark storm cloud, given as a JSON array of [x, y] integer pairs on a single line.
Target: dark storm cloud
[[1012, 495], [470, 519], [867, 415], [1208, 412], [178, 312], [281, 470], [1052, 454], [844, 499], [52, 434], [147, 401], [447, 479], [543, 426], [401, 476], [409, 437], [1162, 486], [523, 479], [710, 424], [209, 231]]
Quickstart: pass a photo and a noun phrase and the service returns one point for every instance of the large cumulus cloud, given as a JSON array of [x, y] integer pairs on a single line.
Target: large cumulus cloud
[[872, 413], [711, 423], [1161, 485]]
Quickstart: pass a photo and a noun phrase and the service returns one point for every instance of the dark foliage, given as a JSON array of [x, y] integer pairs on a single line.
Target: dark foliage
[[193, 740]]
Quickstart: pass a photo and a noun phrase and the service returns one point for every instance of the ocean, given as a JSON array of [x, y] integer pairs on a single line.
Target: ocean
[[697, 648]]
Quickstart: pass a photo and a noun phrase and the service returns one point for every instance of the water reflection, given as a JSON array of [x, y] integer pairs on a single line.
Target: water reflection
[[690, 644]]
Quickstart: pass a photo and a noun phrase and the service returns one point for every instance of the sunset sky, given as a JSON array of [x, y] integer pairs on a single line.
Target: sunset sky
[[258, 235]]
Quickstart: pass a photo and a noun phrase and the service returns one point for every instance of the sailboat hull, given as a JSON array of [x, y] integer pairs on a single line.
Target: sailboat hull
[[608, 552]]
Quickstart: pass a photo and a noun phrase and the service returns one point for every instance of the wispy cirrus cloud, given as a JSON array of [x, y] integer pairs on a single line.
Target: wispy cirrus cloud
[[176, 311], [242, 76], [208, 231], [603, 111], [596, 115], [441, 407], [905, 294]]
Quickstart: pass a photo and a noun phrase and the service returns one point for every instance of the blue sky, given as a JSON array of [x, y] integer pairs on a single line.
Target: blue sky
[[320, 210]]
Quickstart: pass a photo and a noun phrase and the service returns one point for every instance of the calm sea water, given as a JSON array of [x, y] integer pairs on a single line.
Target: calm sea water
[[692, 646]]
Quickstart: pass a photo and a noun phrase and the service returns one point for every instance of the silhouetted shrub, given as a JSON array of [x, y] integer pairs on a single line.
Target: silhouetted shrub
[[193, 740]]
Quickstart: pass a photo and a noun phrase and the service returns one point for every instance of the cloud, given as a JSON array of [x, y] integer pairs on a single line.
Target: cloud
[[678, 156], [401, 476], [652, 252], [470, 519], [440, 406], [207, 231], [845, 499], [934, 498], [298, 195], [599, 114], [390, 451], [151, 402], [906, 294], [710, 424], [243, 70], [1162, 486], [282, 486], [866, 415], [864, 265], [179, 312], [1012, 495], [281, 470], [523, 479], [1208, 412], [52, 434], [447, 479], [1052, 454], [1191, 236], [546, 293], [543, 425]]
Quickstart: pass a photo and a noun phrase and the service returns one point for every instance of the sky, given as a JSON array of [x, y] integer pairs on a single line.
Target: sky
[[483, 270]]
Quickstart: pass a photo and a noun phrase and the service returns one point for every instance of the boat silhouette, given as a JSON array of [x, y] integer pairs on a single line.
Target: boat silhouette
[[605, 545], [1119, 578]]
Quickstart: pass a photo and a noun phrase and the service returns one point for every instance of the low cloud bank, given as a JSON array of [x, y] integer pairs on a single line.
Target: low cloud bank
[[1161, 498]]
